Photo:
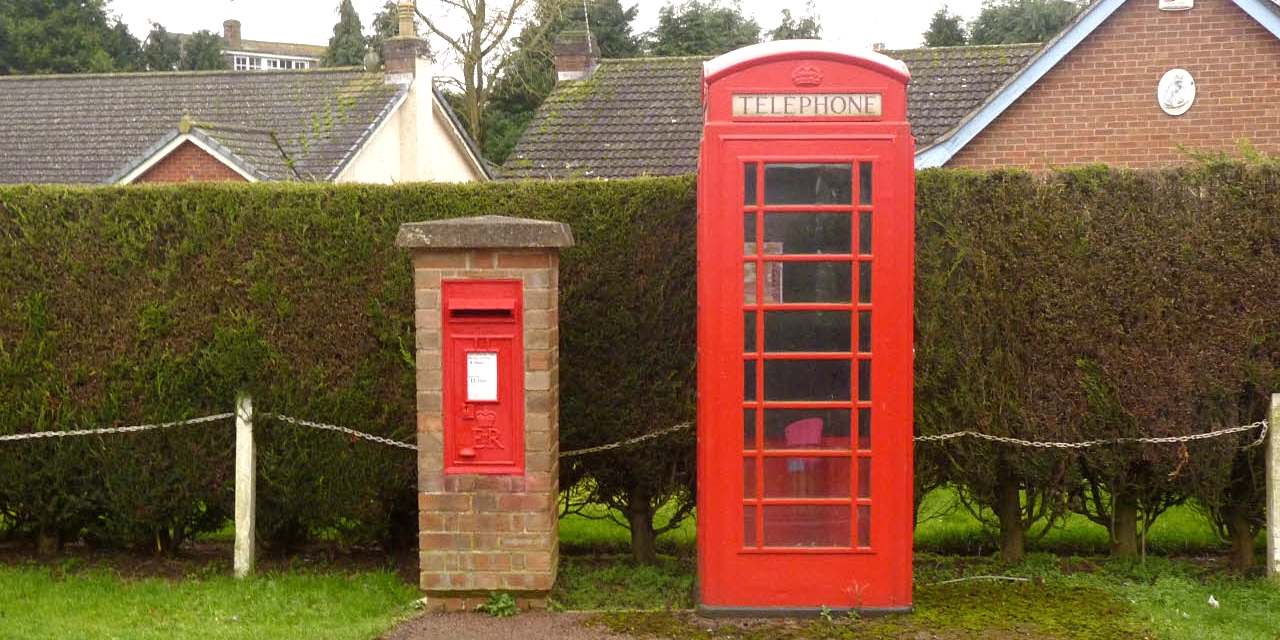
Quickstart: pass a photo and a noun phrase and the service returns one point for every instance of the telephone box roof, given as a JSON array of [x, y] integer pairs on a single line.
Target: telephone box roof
[[717, 68]]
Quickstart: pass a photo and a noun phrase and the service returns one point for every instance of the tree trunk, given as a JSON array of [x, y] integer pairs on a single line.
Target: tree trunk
[[1240, 532], [1009, 511], [643, 547], [48, 544], [1124, 525]]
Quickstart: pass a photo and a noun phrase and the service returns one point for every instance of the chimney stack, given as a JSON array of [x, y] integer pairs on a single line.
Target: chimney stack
[[576, 55], [399, 53], [231, 33], [877, 47]]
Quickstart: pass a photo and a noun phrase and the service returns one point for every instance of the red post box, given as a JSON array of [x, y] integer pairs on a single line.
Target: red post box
[[483, 382], [805, 278]]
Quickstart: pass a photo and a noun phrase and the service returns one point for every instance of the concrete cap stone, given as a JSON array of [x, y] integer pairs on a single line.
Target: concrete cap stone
[[484, 232]]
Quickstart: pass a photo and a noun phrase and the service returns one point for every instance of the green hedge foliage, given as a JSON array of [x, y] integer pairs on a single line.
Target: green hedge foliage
[[149, 304], [1090, 303]]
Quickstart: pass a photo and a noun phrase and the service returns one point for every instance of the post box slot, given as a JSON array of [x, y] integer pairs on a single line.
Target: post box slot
[[481, 314], [482, 309]]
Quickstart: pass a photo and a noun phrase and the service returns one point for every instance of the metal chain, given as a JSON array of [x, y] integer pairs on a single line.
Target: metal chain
[[1093, 443], [616, 445], [110, 430], [334, 427]]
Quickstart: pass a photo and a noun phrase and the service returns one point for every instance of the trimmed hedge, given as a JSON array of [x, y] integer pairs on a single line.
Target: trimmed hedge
[[149, 304], [1091, 303]]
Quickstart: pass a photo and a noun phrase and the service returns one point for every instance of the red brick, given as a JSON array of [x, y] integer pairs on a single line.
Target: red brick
[[525, 260], [439, 259], [189, 163], [1117, 68]]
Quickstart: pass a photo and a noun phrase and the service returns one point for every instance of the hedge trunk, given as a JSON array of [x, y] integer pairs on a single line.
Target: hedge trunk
[[1124, 525], [643, 540], [1241, 534], [1009, 511]]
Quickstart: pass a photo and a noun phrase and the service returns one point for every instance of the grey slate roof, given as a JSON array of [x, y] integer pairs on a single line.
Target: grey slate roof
[[643, 116], [86, 129], [949, 82]]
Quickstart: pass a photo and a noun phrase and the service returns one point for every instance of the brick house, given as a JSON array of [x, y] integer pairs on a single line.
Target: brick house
[[1091, 94], [315, 125]]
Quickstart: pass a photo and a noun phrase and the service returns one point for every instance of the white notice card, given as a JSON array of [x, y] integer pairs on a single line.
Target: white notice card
[[482, 377]]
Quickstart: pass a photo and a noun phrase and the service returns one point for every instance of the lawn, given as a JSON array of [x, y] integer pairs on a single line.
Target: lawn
[[1067, 588], [42, 602]]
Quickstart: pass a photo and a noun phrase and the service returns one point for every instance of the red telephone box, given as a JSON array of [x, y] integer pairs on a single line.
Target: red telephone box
[[805, 260], [483, 383]]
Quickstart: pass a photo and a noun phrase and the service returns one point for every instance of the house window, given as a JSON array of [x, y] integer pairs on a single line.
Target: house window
[[242, 63], [300, 64], [274, 63]]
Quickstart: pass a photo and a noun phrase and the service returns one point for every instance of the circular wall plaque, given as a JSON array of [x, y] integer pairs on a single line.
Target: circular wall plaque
[[1176, 92]]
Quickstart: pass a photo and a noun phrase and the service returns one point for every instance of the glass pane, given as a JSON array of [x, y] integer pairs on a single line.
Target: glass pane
[[749, 183], [864, 332], [864, 525], [749, 234], [806, 478], [864, 477], [806, 428], [864, 282], [805, 380], [864, 183], [749, 478], [806, 526], [864, 380], [802, 233], [864, 233], [749, 381], [748, 526], [824, 331], [773, 272], [749, 331], [864, 429], [807, 282], [808, 183], [749, 429]]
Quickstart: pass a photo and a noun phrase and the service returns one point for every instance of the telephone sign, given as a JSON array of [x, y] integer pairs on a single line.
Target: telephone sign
[[805, 267]]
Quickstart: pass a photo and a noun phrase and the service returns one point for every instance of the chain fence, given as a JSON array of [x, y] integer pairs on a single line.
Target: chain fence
[[110, 430], [333, 427], [1261, 425]]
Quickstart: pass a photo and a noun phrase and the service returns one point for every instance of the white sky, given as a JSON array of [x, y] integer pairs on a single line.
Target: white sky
[[896, 23]]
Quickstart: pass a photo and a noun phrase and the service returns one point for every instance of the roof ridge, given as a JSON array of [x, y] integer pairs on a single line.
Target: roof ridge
[[1013, 45], [171, 74]]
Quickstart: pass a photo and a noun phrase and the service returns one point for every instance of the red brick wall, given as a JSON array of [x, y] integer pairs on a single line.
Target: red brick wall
[[189, 163], [1099, 103], [481, 533]]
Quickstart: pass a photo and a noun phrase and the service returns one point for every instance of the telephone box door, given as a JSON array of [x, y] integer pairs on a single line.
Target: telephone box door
[[805, 333]]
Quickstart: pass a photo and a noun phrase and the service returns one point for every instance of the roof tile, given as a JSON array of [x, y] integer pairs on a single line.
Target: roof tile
[[81, 129], [643, 116]]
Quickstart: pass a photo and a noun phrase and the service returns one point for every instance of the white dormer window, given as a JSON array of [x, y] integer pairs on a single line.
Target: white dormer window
[[275, 63], [242, 63], [300, 64]]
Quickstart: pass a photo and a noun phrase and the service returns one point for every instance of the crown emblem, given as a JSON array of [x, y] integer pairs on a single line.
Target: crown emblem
[[806, 76], [486, 418]]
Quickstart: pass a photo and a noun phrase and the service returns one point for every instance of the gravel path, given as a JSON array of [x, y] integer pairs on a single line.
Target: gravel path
[[535, 625]]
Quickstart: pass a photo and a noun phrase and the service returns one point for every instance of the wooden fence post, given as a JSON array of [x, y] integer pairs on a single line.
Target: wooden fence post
[[1273, 491], [246, 489]]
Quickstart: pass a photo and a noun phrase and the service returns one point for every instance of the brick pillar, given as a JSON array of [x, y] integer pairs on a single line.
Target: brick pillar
[[488, 532]]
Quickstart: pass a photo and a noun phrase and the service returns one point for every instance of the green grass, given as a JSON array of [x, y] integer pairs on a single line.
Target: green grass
[[613, 582], [37, 602], [595, 530], [946, 526]]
